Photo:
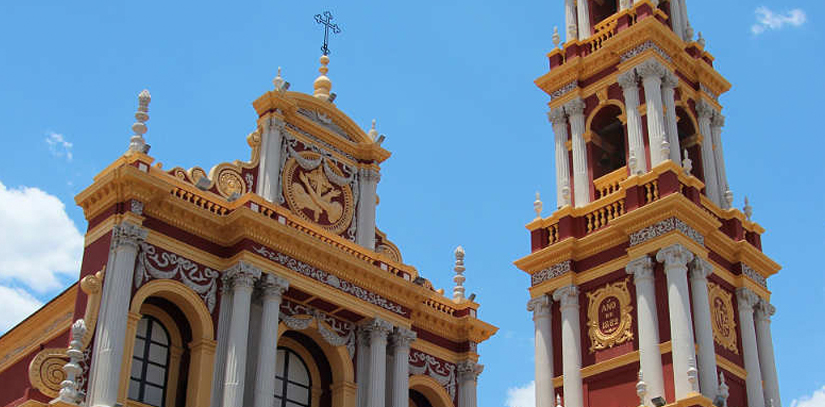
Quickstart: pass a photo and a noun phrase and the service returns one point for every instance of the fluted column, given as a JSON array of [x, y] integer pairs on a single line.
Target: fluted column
[[703, 326], [110, 332], [650, 358], [571, 351], [270, 162], [629, 82], [365, 231], [706, 111], [400, 342], [685, 21], [379, 329], [468, 372], [581, 183], [572, 28], [272, 288], [559, 120], [767, 362], [542, 318], [716, 124], [669, 83], [583, 19], [652, 72], [746, 300], [242, 276], [363, 366], [676, 18], [675, 259], [224, 318]]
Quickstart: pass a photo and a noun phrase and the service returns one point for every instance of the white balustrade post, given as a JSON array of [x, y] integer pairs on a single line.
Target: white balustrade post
[[669, 84], [468, 372], [559, 120], [629, 82], [365, 229], [716, 124], [652, 73], [572, 27], [272, 289], [401, 340], [363, 366], [675, 259], [746, 300], [110, 332], [269, 167], [650, 358], [581, 183], [703, 326], [583, 19], [571, 352], [542, 318], [706, 112], [379, 329], [767, 362], [243, 276]]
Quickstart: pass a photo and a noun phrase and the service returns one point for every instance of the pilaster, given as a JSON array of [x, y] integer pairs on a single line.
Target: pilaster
[[650, 358], [542, 317], [568, 298]]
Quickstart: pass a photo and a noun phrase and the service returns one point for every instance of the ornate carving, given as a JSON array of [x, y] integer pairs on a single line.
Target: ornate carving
[[335, 331], [273, 286], [666, 226], [567, 296], [326, 145], [705, 111], [551, 272], [324, 121], [564, 90], [402, 338], [674, 255], [746, 299], [469, 370], [540, 306], [641, 268], [69, 389], [764, 311], [318, 192], [707, 90], [128, 234], [628, 80], [330, 280], [575, 107], [230, 182], [644, 47], [670, 80], [46, 371], [156, 263], [242, 275], [700, 269], [440, 370], [753, 275], [651, 68], [377, 327], [557, 116], [724, 325], [609, 316], [136, 207]]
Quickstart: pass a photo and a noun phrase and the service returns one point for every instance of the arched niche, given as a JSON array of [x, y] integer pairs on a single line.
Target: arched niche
[[608, 146]]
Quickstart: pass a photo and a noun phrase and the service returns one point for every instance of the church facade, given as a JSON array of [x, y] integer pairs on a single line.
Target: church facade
[[259, 283], [647, 287]]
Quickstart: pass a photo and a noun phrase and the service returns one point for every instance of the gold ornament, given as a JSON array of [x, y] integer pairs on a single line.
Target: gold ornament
[[46, 370], [609, 317], [721, 308], [230, 182], [314, 197]]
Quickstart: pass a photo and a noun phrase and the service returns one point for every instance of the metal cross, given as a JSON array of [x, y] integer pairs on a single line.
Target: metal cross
[[326, 20]]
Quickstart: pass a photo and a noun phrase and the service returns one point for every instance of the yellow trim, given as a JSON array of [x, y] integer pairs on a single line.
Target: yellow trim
[[614, 363], [430, 389], [726, 364]]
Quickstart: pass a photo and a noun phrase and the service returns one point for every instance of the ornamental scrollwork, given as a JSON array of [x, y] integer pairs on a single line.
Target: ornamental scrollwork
[[551, 272], [441, 371], [663, 227], [155, 263], [336, 332], [724, 325], [609, 316]]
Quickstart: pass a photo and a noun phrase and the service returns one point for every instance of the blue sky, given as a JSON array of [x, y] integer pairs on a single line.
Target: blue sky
[[450, 84]]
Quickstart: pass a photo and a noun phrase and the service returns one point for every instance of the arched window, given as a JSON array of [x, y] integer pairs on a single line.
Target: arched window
[[150, 363], [292, 381]]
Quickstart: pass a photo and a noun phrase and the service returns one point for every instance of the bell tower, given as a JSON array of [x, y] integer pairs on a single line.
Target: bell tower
[[647, 286]]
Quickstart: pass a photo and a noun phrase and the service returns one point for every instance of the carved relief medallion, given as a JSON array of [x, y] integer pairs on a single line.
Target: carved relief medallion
[[313, 196], [609, 316], [230, 182], [721, 309]]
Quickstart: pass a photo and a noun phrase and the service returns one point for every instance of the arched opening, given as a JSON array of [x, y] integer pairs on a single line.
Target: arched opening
[[426, 392], [418, 400], [293, 383], [150, 363], [601, 10], [304, 376], [689, 141], [608, 150]]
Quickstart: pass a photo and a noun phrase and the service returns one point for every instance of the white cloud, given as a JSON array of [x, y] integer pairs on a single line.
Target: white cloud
[[766, 19], [38, 241], [522, 396], [17, 305], [59, 146], [814, 400]]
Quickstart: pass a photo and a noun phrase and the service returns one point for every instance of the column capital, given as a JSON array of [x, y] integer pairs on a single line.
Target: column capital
[[700, 269], [705, 110], [403, 338], [556, 116], [718, 120], [469, 370], [575, 107], [273, 286], [651, 68], [128, 234], [567, 296], [369, 175], [746, 299], [540, 306], [676, 255], [764, 311], [670, 80], [242, 275], [628, 80], [377, 328], [641, 268]]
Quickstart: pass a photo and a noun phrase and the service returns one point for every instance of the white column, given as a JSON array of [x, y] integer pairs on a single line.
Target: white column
[[583, 19], [706, 111], [223, 337], [767, 362], [363, 371], [571, 351], [703, 326], [675, 259], [542, 318], [676, 18], [272, 288], [110, 332], [401, 340], [685, 21], [243, 276], [669, 83], [747, 299], [570, 20], [629, 82], [716, 125], [379, 329], [468, 372], [652, 72], [559, 120], [365, 229], [581, 184], [650, 358], [270, 163]]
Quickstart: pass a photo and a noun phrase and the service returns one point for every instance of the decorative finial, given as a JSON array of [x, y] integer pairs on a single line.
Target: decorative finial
[[688, 32], [556, 37], [70, 392], [458, 290], [724, 389], [278, 81], [728, 199], [325, 19], [322, 84], [537, 205], [565, 193], [693, 375], [641, 389], [665, 149], [748, 210], [632, 162], [701, 40], [687, 163], [373, 133], [558, 400], [137, 144]]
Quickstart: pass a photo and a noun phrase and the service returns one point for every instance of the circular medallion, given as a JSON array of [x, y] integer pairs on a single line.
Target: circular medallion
[[314, 197], [230, 182], [609, 316]]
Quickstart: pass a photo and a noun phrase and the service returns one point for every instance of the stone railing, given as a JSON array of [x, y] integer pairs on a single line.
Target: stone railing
[[199, 200], [440, 306], [606, 209], [602, 32], [608, 184]]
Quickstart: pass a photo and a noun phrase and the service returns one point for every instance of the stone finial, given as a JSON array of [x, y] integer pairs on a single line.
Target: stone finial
[[556, 37], [693, 375], [537, 205], [728, 198], [279, 82], [724, 389], [565, 193], [322, 84], [373, 133], [558, 400], [641, 389], [633, 163], [688, 32], [748, 210], [701, 40], [665, 149], [137, 144], [69, 389], [687, 163], [458, 290]]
